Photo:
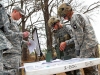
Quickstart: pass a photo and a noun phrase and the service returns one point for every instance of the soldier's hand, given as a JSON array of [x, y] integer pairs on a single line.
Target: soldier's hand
[[62, 45], [26, 34], [28, 43]]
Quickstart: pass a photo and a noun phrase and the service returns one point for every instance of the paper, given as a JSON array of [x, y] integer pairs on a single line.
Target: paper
[[35, 36], [32, 46]]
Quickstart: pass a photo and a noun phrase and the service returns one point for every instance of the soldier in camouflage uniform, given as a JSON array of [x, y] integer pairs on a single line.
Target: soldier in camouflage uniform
[[85, 39], [4, 42], [12, 57], [63, 36]]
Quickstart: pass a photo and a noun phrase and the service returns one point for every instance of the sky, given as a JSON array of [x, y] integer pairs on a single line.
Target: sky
[[96, 26], [96, 21]]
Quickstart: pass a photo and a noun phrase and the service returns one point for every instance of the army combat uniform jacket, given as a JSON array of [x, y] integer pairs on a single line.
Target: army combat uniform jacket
[[85, 38], [11, 30], [15, 37], [4, 42]]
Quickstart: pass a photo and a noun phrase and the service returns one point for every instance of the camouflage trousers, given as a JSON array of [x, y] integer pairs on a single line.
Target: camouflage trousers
[[68, 54], [11, 63], [91, 53], [75, 72], [1, 62]]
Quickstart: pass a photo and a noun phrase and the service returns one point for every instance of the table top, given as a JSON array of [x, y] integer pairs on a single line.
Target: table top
[[58, 66]]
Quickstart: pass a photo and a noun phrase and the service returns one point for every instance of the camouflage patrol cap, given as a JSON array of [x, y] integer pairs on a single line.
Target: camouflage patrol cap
[[20, 10], [63, 9], [52, 21]]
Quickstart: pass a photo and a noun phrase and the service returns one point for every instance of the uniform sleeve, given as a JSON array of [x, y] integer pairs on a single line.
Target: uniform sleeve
[[69, 30], [78, 25]]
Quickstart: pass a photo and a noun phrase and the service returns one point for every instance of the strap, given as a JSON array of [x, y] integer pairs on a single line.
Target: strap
[[0, 5]]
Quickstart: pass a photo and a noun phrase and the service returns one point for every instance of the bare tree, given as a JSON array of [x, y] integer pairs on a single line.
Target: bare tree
[[39, 11]]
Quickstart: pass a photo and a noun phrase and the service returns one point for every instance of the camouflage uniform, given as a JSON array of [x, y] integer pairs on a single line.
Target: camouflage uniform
[[4, 45], [64, 34], [12, 64], [4, 42], [11, 57], [85, 39]]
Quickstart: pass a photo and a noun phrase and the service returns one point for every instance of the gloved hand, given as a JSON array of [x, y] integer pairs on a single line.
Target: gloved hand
[[26, 34]]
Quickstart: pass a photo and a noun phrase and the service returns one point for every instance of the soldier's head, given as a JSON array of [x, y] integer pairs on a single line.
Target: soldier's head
[[64, 10], [17, 13], [53, 22]]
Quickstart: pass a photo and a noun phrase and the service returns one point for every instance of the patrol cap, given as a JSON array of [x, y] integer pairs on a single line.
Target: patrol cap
[[20, 10]]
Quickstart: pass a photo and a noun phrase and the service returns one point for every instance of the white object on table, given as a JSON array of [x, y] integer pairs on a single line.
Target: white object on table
[[58, 66]]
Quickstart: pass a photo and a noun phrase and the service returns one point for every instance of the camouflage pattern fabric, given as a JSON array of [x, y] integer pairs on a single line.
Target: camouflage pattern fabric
[[11, 65], [65, 34], [13, 55], [91, 70], [84, 34], [4, 42], [11, 30], [1, 63], [16, 40], [94, 53], [85, 40]]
